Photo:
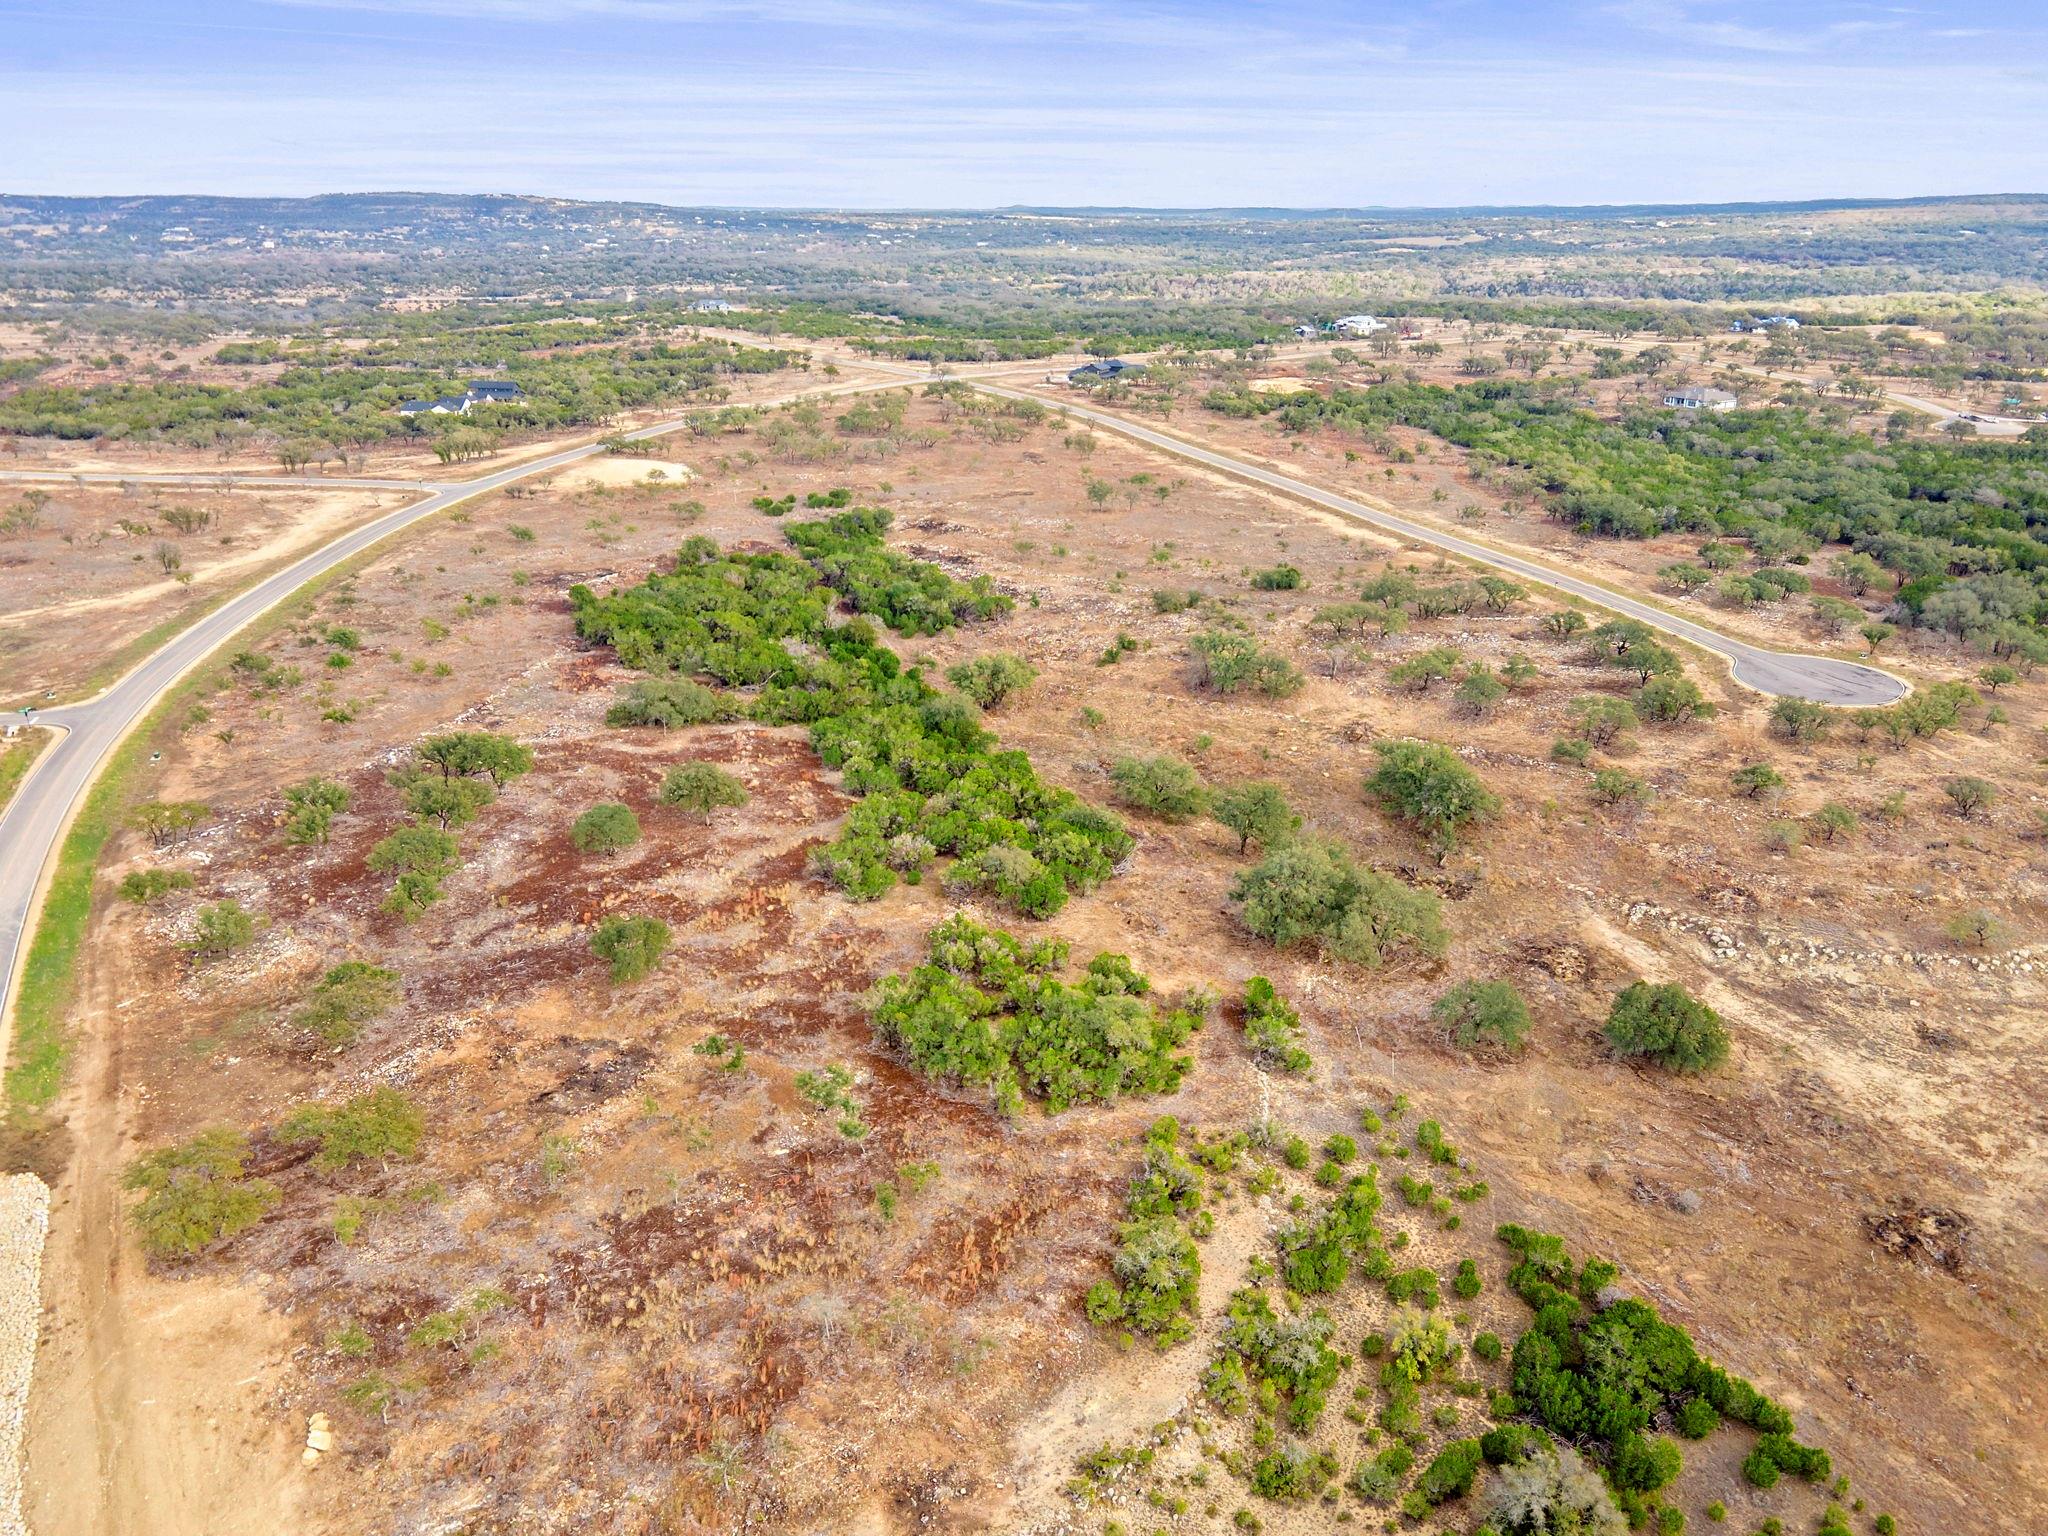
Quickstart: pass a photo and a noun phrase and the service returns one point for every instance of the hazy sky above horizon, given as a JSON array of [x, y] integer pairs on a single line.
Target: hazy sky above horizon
[[974, 103]]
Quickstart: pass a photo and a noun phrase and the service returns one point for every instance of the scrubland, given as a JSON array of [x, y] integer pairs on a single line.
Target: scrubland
[[686, 1243]]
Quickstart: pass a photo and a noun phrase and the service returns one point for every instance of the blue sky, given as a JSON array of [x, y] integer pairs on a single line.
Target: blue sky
[[976, 103]]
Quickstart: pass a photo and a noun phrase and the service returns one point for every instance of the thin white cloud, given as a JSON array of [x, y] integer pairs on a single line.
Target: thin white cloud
[[980, 102], [1684, 23], [1430, 134], [1169, 27]]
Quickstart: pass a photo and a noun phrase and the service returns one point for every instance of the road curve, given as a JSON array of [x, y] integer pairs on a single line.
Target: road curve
[[1784, 673], [34, 821], [1985, 426]]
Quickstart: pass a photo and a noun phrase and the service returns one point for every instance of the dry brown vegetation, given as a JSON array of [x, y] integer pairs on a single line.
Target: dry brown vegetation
[[627, 1286], [87, 570]]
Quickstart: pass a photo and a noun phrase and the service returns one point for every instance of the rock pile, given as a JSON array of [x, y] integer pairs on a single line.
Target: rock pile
[[1770, 948], [24, 1224]]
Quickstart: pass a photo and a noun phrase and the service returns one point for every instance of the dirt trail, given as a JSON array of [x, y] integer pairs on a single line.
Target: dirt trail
[[129, 1432]]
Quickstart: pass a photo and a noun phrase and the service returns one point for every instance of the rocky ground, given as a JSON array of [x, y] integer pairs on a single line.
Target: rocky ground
[[696, 1316]]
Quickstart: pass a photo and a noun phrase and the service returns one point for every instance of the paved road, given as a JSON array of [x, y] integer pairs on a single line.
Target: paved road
[[34, 821], [1987, 426], [1820, 678]]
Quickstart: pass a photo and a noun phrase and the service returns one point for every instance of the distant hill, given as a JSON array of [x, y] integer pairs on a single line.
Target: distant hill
[[378, 245]]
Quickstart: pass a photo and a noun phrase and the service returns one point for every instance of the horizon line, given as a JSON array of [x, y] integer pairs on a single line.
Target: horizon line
[[1764, 205]]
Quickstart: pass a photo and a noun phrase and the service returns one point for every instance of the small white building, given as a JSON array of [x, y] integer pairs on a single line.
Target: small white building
[[1358, 325], [714, 307], [1687, 398]]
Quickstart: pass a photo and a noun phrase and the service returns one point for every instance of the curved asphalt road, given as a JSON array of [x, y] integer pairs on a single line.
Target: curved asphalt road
[[35, 819], [1785, 673]]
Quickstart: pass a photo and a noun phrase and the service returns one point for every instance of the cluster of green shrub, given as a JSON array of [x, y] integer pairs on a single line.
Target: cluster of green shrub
[[1279, 578], [168, 822], [912, 1178], [630, 946], [1161, 786], [376, 1126], [347, 997], [1272, 1029], [1922, 714], [990, 680], [1958, 524], [146, 885], [1598, 1371], [832, 1091], [1767, 584], [220, 928], [607, 827], [1484, 1013], [452, 777], [1629, 645], [1667, 1025], [1390, 598], [196, 1194], [199, 1193], [912, 597], [1157, 1267], [930, 777], [1257, 811], [1425, 784], [1283, 1364], [310, 809], [348, 398], [1312, 891], [989, 1011], [1316, 1254], [1230, 661]]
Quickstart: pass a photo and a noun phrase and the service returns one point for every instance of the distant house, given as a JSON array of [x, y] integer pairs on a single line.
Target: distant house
[[1358, 325], [1102, 372], [713, 307], [480, 392], [1689, 399], [1305, 332], [442, 405], [1766, 323]]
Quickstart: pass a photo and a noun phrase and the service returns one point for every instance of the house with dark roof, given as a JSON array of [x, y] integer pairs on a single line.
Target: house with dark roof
[[441, 405], [480, 392], [1105, 370]]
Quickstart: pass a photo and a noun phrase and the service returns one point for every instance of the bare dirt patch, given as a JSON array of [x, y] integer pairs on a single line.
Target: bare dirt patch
[[698, 1317], [103, 566]]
